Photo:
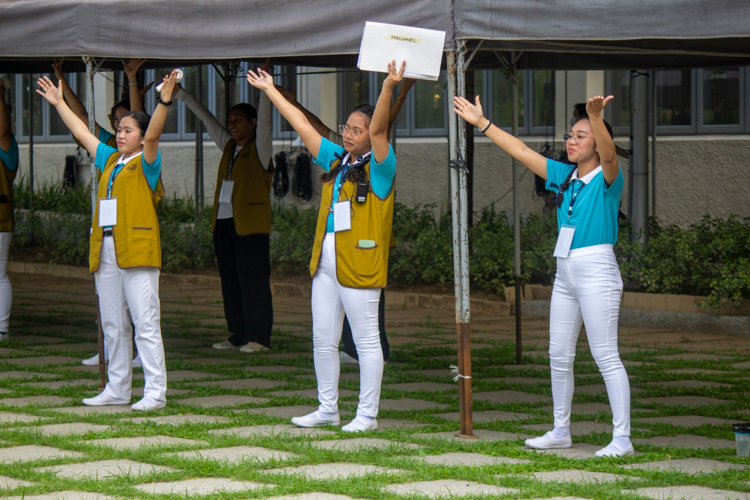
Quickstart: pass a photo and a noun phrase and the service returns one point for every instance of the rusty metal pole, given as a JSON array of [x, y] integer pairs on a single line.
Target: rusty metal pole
[[459, 205], [516, 217]]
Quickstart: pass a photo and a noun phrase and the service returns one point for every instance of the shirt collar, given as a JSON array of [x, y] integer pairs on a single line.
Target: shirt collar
[[588, 177], [360, 159], [124, 160]]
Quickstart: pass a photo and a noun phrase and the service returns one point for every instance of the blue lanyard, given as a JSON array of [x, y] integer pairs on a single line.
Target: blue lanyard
[[574, 195], [112, 177]]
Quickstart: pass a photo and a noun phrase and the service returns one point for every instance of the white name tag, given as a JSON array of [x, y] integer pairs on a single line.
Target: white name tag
[[108, 212], [564, 240], [225, 195], [342, 219]]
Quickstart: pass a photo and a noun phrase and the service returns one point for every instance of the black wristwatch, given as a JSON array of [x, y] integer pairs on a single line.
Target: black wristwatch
[[165, 103]]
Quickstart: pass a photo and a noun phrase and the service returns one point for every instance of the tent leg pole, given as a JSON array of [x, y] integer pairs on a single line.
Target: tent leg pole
[[516, 218], [199, 153], [31, 143], [459, 204], [639, 158]]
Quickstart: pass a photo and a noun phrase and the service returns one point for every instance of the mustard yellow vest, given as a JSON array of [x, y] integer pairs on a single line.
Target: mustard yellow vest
[[112, 142], [136, 234], [251, 202], [6, 198], [358, 267]]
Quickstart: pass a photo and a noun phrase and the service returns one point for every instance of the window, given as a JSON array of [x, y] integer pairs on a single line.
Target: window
[[721, 100], [48, 126]]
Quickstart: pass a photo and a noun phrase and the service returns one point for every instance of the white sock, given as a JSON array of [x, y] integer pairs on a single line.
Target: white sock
[[561, 432], [621, 442], [365, 420]]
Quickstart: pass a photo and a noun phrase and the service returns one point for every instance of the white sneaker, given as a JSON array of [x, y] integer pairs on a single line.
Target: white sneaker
[[137, 363], [253, 347], [93, 360], [345, 359], [4, 337], [358, 425], [148, 404], [105, 399], [225, 345], [314, 420], [612, 450], [548, 442]]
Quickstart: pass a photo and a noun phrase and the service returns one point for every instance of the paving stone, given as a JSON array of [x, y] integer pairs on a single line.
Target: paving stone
[[34, 400], [696, 371], [505, 397], [422, 386], [215, 361], [391, 423], [313, 393], [600, 389], [272, 430], [689, 493], [517, 380], [358, 443], [64, 495], [741, 366], [202, 486], [13, 374], [181, 375], [692, 356], [487, 416], [235, 454], [244, 383], [579, 451], [104, 468], [180, 419], [447, 488], [686, 420], [10, 417], [580, 476], [33, 452], [322, 472], [442, 372], [57, 384], [77, 428], [10, 482], [687, 465], [468, 459], [130, 443], [281, 411], [43, 360], [577, 428], [37, 339], [408, 404], [690, 384], [684, 401], [277, 369], [562, 498], [686, 441], [86, 410], [482, 435], [226, 401], [315, 495], [529, 366]]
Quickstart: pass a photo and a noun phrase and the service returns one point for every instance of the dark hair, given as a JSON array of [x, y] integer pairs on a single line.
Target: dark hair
[[606, 125], [125, 103], [581, 109], [246, 109], [353, 173], [141, 118]]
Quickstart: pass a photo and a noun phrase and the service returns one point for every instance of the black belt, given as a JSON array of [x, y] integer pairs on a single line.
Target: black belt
[[107, 231]]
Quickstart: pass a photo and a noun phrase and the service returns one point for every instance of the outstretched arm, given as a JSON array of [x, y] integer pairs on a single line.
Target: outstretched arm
[[290, 96], [70, 97], [77, 127], [605, 146], [158, 119], [216, 130], [474, 115], [380, 122], [396, 106], [136, 95], [6, 134], [296, 118]]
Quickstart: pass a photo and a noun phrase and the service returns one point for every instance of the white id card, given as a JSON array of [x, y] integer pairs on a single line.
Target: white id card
[[564, 240], [108, 212], [342, 219], [225, 195]]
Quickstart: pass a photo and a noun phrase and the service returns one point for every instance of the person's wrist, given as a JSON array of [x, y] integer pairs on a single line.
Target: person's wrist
[[481, 122]]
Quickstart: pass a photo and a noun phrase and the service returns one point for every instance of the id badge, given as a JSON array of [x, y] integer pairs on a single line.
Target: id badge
[[108, 212], [564, 240], [225, 195], [342, 219]]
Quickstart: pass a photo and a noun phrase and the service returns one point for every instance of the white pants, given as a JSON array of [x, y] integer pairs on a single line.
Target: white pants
[[138, 291], [330, 301], [588, 288], [6, 292]]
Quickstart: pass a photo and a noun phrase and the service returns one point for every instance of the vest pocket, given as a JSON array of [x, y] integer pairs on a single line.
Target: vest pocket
[[366, 262]]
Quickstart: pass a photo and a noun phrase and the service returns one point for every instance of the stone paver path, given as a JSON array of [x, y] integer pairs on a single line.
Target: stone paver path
[[447, 488], [104, 469], [203, 486], [331, 471]]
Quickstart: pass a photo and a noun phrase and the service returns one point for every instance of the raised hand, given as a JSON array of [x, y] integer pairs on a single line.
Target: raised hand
[[48, 90], [131, 68], [595, 105], [267, 65], [472, 113], [148, 87], [408, 84], [394, 75], [168, 86], [262, 80], [57, 66]]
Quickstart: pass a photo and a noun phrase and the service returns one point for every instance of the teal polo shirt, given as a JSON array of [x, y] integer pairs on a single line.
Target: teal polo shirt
[[588, 204]]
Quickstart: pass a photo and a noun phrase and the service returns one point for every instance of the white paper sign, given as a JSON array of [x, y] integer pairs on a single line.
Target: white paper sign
[[342, 218], [225, 195], [422, 49], [564, 240], [108, 212]]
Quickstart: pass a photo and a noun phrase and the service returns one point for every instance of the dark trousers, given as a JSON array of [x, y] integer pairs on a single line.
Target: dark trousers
[[245, 270], [348, 340]]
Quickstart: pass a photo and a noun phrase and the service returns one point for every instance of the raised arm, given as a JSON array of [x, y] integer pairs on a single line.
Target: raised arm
[[380, 122], [296, 118], [290, 96], [216, 130], [158, 119], [77, 127], [136, 95], [396, 106], [6, 133], [474, 115], [71, 98], [605, 146]]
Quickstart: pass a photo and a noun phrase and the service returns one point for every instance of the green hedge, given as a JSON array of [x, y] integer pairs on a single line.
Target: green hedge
[[711, 258]]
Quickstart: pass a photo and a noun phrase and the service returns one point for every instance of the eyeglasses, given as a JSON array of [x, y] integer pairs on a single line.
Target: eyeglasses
[[575, 138], [343, 129], [112, 116]]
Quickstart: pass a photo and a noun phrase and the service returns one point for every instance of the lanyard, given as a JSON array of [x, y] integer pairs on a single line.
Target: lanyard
[[574, 195], [231, 162], [112, 178], [342, 175]]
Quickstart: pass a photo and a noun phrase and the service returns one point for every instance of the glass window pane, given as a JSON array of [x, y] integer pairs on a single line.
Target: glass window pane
[[190, 82], [721, 96], [429, 97], [286, 76], [356, 91], [621, 102], [29, 83], [673, 102], [544, 99], [10, 100], [56, 124], [502, 99]]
